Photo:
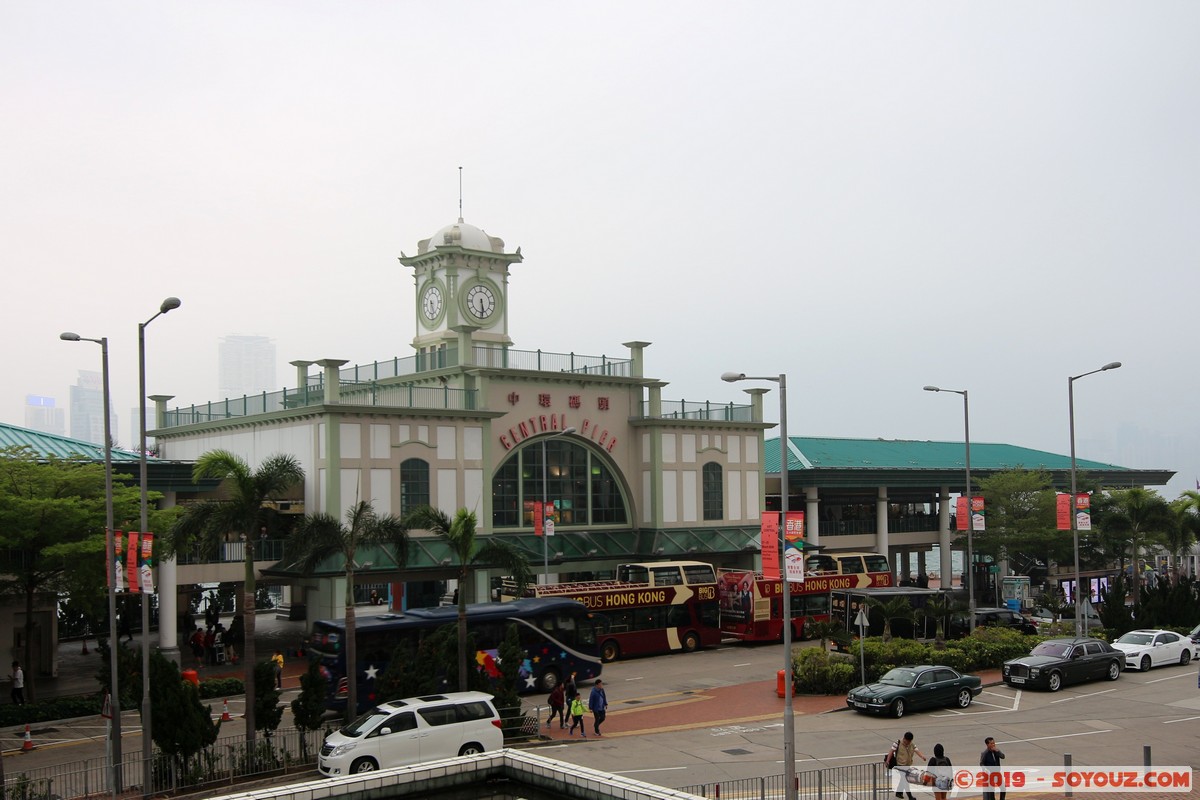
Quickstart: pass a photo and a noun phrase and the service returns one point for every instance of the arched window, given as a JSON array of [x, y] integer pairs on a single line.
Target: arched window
[[575, 481], [414, 484], [713, 491]]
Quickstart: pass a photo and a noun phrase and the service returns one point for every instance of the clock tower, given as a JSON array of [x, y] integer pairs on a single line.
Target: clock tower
[[461, 278]]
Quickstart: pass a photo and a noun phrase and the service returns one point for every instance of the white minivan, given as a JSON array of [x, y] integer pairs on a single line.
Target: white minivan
[[411, 731]]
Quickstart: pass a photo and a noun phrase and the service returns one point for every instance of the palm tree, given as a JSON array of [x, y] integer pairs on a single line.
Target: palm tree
[[321, 536], [242, 511], [827, 631], [459, 533], [938, 608], [893, 608], [1183, 534], [1137, 513]]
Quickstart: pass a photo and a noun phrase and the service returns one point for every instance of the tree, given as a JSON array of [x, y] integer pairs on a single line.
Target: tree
[[1021, 517], [459, 534], [893, 608], [1180, 538], [268, 712], [1141, 515], [308, 707], [319, 537], [826, 631], [180, 725], [52, 520], [241, 512], [938, 608]]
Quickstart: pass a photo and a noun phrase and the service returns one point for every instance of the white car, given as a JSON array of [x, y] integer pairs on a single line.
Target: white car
[[1148, 648], [413, 731]]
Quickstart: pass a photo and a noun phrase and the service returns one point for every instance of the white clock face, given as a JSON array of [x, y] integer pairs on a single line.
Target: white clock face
[[480, 301], [431, 303]]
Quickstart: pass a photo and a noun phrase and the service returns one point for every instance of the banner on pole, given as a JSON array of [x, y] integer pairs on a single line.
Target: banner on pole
[[961, 514], [1083, 512], [145, 567], [537, 518], [131, 562], [1062, 511], [117, 568], [793, 544], [770, 544], [977, 514]]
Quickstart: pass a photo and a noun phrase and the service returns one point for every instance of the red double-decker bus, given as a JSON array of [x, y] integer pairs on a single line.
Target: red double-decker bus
[[752, 606], [651, 608]]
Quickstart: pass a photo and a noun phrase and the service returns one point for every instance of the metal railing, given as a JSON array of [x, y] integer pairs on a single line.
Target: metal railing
[[851, 782], [684, 409]]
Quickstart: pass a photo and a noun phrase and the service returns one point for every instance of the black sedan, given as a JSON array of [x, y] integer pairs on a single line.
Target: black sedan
[[1056, 662], [905, 688]]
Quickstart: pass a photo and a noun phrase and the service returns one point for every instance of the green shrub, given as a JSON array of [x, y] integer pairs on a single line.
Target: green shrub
[[221, 687]]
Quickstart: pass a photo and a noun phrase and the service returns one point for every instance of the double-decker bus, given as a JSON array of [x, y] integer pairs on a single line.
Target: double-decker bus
[[752, 606], [557, 633], [652, 607]]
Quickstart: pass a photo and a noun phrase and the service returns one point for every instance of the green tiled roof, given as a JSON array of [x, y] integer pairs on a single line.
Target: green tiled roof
[[49, 444], [826, 461]]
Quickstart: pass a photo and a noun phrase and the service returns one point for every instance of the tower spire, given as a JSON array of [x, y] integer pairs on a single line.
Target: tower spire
[[460, 216]]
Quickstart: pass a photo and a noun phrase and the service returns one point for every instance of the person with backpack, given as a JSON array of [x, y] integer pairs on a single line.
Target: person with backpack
[[900, 758], [942, 771], [557, 702], [577, 711]]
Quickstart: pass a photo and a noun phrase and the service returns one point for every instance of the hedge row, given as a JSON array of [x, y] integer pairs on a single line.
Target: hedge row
[[817, 671], [89, 705]]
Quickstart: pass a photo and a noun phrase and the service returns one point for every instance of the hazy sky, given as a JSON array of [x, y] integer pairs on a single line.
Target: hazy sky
[[870, 197]]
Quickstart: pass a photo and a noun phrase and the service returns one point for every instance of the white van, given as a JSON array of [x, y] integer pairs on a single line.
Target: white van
[[411, 731]]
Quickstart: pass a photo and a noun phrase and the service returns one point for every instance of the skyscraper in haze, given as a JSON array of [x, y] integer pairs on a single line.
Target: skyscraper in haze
[[245, 365], [87, 408], [41, 414]]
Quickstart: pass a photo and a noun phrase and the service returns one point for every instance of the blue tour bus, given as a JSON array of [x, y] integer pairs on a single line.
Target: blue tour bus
[[557, 633]]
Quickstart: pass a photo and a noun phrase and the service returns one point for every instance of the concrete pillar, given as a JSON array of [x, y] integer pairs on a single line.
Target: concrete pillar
[[302, 377], [333, 439], [921, 563], [168, 603], [946, 565], [881, 521], [637, 356], [812, 520]]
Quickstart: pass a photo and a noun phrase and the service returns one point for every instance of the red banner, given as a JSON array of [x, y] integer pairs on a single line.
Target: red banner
[[770, 544], [1062, 511], [131, 562], [538, 518], [961, 514], [977, 514], [146, 563]]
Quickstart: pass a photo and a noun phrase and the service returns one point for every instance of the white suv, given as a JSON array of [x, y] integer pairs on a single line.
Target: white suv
[[411, 731]]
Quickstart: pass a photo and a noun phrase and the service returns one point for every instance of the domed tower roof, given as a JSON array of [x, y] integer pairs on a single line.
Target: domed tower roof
[[460, 234]]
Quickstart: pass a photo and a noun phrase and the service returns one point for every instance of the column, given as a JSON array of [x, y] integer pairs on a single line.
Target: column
[[168, 602], [813, 523], [946, 565], [881, 522]]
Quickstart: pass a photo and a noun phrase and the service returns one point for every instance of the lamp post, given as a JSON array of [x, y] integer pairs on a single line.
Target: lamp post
[[545, 497], [169, 304], [110, 568], [789, 717], [970, 571], [1074, 516]]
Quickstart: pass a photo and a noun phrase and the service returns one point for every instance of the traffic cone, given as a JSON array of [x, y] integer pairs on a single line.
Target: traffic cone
[[224, 712], [28, 744]]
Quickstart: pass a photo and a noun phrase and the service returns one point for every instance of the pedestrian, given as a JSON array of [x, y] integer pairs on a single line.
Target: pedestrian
[[18, 684], [577, 711], [124, 627], [277, 661], [210, 646], [990, 759], [942, 771], [570, 690], [598, 705], [904, 750], [557, 702], [196, 640]]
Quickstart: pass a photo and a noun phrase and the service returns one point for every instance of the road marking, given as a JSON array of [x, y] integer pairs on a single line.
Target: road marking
[[1060, 736], [656, 769], [633, 679], [1173, 721], [1171, 678], [745, 664], [1076, 697]]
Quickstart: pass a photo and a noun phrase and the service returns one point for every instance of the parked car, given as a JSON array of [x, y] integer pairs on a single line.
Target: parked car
[[412, 731], [1148, 648], [905, 688], [1194, 634], [1056, 662], [1043, 616], [990, 617]]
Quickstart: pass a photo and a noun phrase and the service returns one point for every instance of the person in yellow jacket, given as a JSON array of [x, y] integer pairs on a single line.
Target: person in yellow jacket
[[577, 711], [277, 661]]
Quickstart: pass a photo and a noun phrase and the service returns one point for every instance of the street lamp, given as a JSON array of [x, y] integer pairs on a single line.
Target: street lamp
[[970, 571], [789, 718], [545, 493], [110, 567], [147, 744], [1074, 517]]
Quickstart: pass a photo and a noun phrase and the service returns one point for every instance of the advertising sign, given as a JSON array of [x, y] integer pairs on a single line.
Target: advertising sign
[[770, 544]]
